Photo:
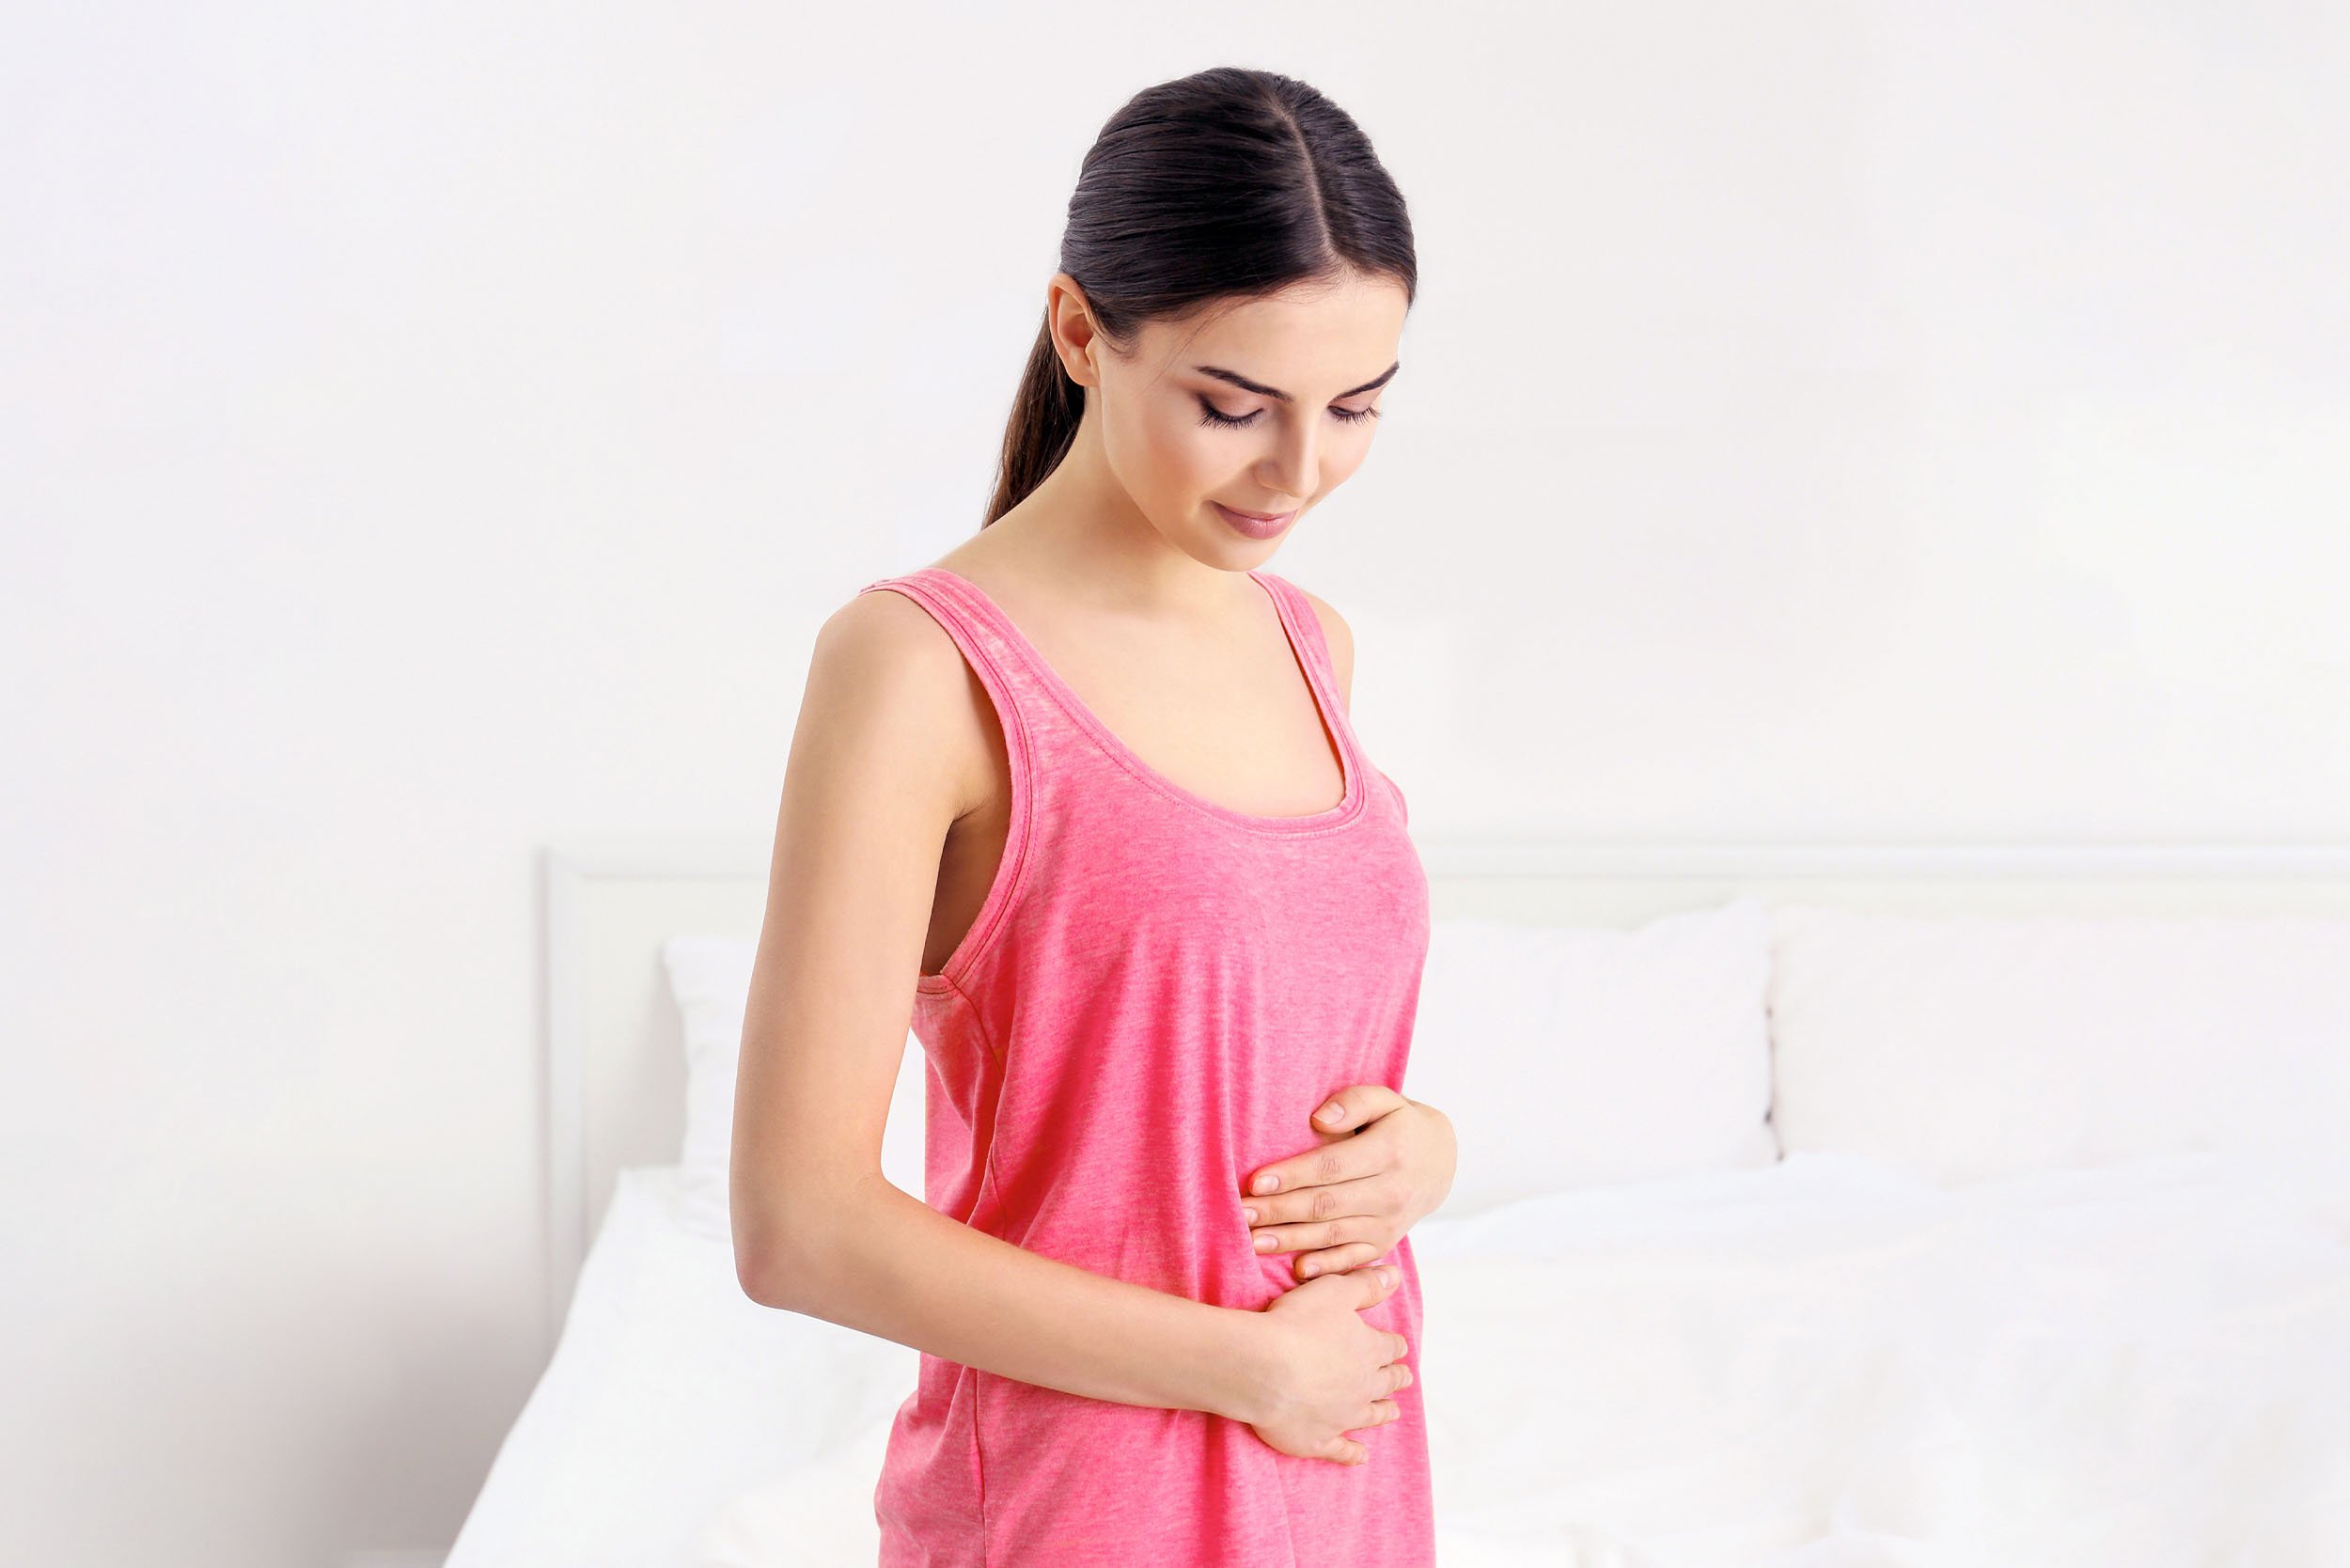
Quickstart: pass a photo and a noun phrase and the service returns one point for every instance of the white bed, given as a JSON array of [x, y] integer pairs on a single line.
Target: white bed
[[1821, 1358]]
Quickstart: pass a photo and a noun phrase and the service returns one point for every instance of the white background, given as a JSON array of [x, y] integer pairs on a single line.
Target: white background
[[429, 432]]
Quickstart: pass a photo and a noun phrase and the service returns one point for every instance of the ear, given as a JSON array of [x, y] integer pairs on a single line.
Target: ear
[[1075, 334]]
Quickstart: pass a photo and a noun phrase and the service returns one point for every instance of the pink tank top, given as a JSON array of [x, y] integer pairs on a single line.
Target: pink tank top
[[1156, 996]]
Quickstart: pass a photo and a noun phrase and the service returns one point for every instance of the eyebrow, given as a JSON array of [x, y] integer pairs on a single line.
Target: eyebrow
[[1263, 391]]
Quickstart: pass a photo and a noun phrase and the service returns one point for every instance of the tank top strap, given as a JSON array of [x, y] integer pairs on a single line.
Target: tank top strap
[[1305, 628], [966, 621], [992, 654]]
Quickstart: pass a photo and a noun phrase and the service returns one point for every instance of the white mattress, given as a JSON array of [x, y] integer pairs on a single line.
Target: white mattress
[[1817, 1364]]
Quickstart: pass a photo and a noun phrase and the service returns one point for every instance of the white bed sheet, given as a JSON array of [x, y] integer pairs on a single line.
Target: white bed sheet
[[1821, 1363], [670, 1392]]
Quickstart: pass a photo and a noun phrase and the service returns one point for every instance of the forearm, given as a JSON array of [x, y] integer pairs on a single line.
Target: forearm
[[888, 1265]]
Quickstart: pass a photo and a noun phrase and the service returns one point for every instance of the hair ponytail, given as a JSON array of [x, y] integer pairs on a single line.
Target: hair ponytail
[[1227, 184], [1045, 415]]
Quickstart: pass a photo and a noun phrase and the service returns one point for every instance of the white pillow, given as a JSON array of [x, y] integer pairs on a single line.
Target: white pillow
[[709, 977], [1579, 1055], [1971, 1045]]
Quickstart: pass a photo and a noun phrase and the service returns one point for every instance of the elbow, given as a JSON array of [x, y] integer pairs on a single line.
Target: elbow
[[785, 1244], [771, 1271], [754, 1273], [760, 1216], [780, 1260], [772, 1266]]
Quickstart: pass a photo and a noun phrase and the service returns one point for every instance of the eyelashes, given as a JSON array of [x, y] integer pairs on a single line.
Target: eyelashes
[[1211, 415]]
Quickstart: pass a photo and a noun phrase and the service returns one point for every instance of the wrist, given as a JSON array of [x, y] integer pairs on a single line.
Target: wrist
[[1238, 1368]]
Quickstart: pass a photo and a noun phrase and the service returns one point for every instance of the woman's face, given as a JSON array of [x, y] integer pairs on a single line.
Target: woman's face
[[1262, 405]]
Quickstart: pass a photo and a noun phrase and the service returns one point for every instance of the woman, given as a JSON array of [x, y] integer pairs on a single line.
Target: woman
[[1073, 787]]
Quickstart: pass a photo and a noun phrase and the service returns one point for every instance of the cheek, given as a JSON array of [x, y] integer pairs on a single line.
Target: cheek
[[1343, 456], [1170, 455]]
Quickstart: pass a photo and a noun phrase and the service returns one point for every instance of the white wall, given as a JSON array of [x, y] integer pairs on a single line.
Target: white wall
[[430, 434]]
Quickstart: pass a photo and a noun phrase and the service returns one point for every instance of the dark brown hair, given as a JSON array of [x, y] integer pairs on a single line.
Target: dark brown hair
[[1228, 183]]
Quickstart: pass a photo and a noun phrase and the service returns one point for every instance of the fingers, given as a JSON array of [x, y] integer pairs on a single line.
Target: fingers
[[1339, 1115], [1350, 1159], [1357, 1104], [1309, 1236], [1337, 1260], [1301, 1203], [1379, 1412]]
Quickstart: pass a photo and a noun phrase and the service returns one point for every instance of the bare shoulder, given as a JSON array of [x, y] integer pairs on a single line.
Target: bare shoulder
[[1340, 636], [887, 686], [884, 645]]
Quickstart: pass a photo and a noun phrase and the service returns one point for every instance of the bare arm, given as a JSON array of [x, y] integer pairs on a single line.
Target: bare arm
[[892, 745]]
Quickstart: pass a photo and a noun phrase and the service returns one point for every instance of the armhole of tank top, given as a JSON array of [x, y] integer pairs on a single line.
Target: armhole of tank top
[[979, 941]]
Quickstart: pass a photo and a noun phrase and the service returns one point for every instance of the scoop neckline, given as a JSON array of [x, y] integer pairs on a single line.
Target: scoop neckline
[[1350, 763]]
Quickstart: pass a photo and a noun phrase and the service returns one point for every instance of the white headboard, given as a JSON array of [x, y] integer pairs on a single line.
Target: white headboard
[[615, 1070]]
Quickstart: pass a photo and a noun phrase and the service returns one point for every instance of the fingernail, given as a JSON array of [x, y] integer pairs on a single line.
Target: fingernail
[[1308, 1270], [1266, 1185], [1332, 1111], [1264, 1241], [1249, 1213]]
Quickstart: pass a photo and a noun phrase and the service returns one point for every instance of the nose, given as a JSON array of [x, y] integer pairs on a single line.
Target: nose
[[1295, 466]]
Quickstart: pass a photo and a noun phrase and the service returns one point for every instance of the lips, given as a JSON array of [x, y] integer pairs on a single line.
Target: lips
[[1260, 516], [1250, 524]]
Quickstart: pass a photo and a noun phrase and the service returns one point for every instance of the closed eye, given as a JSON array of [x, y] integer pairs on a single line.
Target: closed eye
[[1211, 415]]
